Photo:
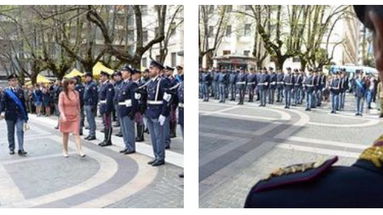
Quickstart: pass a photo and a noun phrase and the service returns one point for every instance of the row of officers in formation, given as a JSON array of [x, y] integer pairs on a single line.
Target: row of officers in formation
[[291, 87], [153, 104]]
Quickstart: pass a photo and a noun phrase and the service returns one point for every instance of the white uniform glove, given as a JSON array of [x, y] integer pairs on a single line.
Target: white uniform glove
[[137, 96], [167, 97], [161, 119], [1, 116]]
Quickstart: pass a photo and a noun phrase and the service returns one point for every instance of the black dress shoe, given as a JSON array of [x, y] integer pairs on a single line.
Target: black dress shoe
[[140, 140], [152, 161], [22, 153], [91, 138], [106, 144], [87, 137], [158, 163], [167, 147], [130, 152], [123, 151], [119, 134], [11, 152], [116, 125], [103, 142]]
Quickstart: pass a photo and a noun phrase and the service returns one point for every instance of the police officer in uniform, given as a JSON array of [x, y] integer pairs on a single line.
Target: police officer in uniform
[[334, 89], [80, 89], [315, 92], [180, 99], [308, 84], [320, 184], [297, 87], [280, 76], [216, 83], [288, 83], [251, 84], [263, 83], [16, 116], [90, 104], [106, 96], [322, 84], [157, 111], [222, 82], [241, 85], [206, 81], [232, 84], [117, 86], [127, 108], [273, 85]]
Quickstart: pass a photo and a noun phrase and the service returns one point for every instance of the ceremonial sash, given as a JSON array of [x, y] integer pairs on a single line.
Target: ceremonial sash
[[359, 84], [17, 101]]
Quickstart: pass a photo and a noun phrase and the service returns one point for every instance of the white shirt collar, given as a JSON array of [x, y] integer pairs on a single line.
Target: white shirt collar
[[155, 78]]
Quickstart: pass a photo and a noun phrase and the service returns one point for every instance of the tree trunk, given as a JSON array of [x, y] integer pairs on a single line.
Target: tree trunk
[[279, 61]]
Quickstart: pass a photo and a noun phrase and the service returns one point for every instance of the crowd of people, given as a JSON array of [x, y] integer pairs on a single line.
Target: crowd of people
[[150, 101], [291, 87]]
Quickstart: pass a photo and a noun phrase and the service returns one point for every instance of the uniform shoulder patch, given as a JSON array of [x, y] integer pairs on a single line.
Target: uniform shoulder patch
[[293, 174]]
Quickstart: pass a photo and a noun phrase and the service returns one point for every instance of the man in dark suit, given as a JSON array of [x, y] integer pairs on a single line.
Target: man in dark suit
[[16, 116], [320, 184]]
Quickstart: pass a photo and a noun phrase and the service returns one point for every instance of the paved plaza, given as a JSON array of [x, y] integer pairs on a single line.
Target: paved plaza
[[104, 178], [241, 144]]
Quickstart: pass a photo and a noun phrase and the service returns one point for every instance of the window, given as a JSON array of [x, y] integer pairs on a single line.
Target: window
[[130, 35], [130, 19], [144, 9], [246, 52], [174, 59], [247, 30], [226, 52], [211, 31], [156, 29], [228, 31], [229, 8], [145, 36], [144, 62], [211, 9], [172, 29], [296, 60]]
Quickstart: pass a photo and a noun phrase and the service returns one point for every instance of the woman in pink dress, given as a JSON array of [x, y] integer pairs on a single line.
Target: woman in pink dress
[[69, 122]]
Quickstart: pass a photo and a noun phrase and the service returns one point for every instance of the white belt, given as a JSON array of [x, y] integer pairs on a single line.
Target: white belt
[[127, 103], [262, 83], [309, 85], [289, 84], [279, 82], [251, 83], [102, 101], [273, 83], [181, 105], [153, 102], [242, 82]]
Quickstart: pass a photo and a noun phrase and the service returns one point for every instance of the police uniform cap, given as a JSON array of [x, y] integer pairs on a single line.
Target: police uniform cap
[[179, 67], [12, 76], [104, 73], [156, 64], [89, 74], [169, 68]]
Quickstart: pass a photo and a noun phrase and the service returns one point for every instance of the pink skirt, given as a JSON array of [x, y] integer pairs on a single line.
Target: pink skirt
[[70, 126]]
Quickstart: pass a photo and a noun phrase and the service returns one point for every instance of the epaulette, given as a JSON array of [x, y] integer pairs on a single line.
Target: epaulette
[[294, 174]]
